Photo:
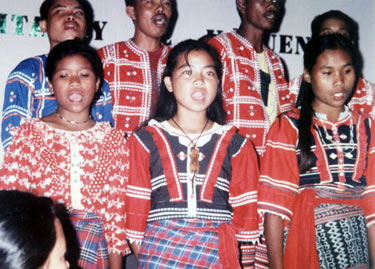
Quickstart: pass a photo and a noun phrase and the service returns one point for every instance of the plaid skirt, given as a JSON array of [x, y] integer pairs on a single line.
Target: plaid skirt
[[93, 245], [180, 243]]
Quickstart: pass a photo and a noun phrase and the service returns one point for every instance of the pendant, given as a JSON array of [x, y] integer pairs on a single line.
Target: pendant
[[349, 155], [194, 160]]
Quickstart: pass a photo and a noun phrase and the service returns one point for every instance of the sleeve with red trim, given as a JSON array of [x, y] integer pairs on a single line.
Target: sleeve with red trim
[[369, 193], [138, 193], [243, 192], [279, 172]]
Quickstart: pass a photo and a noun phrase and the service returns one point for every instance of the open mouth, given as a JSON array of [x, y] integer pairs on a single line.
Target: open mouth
[[160, 19], [198, 95], [339, 94], [71, 26], [75, 97], [271, 15]]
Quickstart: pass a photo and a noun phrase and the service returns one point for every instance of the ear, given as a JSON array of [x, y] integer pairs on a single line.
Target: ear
[[97, 84], [241, 6], [168, 83], [131, 12], [50, 86], [43, 26], [306, 76]]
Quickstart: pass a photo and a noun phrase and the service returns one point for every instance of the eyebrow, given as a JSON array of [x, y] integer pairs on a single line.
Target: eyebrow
[[189, 65], [328, 66], [64, 6]]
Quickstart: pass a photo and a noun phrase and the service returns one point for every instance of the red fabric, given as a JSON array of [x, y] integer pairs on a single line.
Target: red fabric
[[42, 160], [242, 86], [127, 69], [228, 246]]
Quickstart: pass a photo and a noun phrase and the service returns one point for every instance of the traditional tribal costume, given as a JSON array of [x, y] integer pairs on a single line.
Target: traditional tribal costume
[[362, 101], [27, 95], [245, 105], [86, 170], [242, 94], [326, 209], [132, 81], [187, 220]]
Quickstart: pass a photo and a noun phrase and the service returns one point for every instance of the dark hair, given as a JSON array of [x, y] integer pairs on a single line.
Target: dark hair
[[167, 104], [351, 24], [130, 3], [87, 9], [74, 47], [27, 230], [314, 48]]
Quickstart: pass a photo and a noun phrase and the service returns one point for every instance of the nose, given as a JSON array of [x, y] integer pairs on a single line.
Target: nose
[[74, 81], [160, 8], [199, 78], [339, 80], [273, 5], [70, 16]]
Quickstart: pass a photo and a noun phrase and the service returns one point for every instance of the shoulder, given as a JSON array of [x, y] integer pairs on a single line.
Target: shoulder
[[286, 122], [365, 85], [31, 65], [221, 40], [28, 130]]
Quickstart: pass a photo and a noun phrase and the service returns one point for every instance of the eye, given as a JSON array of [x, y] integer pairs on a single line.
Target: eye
[[187, 72], [62, 75], [79, 13], [167, 3], [348, 70], [326, 73], [211, 73], [59, 11]]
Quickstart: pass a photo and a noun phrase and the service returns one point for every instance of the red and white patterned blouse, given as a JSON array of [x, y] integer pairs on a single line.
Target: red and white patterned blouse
[[85, 170]]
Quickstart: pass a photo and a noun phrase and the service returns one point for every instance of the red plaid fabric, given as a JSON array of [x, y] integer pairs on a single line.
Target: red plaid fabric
[[93, 245], [181, 243]]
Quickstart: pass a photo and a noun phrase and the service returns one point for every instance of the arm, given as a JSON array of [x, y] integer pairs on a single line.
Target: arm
[[114, 217], [115, 261], [273, 230], [138, 195], [26, 95], [135, 246], [243, 192], [16, 169], [371, 243]]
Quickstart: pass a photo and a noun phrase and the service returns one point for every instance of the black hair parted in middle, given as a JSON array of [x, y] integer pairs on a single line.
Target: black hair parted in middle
[[167, 104], [70, 48], [314, 48]]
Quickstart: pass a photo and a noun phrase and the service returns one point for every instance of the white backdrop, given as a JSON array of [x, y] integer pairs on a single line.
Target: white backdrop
[[195, 18]]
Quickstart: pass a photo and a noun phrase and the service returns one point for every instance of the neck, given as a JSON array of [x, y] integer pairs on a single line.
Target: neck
[[254, 35], [332, 114], [146, 43], [192, 125]]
